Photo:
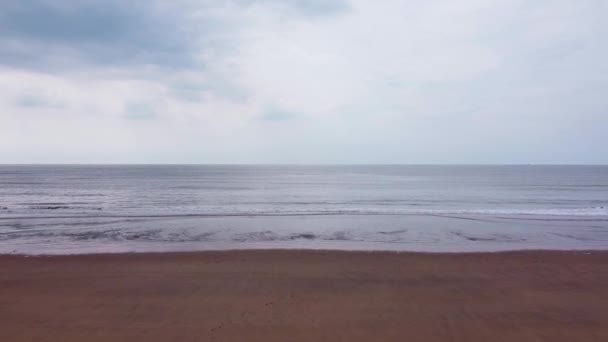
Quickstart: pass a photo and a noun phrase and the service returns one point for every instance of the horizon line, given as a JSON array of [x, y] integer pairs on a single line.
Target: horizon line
[[297, 164]]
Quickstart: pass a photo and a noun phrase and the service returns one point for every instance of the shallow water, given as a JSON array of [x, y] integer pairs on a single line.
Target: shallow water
[[82, 209]]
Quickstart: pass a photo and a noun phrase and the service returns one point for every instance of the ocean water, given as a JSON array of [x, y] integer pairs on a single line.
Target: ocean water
[[90, 209]]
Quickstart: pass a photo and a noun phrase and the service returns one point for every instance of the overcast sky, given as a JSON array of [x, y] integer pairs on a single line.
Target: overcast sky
[[296, 81]]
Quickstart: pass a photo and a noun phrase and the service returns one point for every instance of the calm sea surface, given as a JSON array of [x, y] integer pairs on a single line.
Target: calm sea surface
[[81, 209]]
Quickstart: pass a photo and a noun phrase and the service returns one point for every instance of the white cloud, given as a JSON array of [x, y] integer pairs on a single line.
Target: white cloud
[[311, 81]]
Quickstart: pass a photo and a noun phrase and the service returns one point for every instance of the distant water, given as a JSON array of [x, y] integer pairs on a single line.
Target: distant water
[[82, 209]]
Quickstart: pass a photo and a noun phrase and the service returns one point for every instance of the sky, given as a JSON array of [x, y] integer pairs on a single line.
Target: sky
[[306, 82]]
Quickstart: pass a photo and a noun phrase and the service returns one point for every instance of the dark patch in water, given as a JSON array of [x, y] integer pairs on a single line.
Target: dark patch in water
[[50, 207], [577, 238], [494, 238], [112, 234], [308, 236], [56, 207], [395, 232], [472, 238]]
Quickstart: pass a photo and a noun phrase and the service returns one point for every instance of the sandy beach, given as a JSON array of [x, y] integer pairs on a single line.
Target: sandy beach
[[305, 296]]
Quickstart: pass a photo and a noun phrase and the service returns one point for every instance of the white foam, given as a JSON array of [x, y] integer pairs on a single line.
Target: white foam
[[593, 211]]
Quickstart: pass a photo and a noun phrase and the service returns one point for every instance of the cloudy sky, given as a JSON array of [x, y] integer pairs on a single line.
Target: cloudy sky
[[297, 81]]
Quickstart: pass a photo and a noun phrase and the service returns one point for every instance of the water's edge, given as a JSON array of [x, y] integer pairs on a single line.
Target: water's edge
[[406, 233]]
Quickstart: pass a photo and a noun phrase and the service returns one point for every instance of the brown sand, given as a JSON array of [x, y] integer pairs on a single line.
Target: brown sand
[[306, 296]]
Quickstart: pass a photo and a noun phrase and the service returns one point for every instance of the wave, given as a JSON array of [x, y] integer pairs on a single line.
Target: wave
[[91, 212], [592, 211]]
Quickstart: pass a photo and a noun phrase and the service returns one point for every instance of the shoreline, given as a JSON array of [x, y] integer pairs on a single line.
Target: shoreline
[[415, 233], [171, 253], [305, 295]]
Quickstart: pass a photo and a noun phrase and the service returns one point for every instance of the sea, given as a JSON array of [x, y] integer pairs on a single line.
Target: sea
[[75, 209]]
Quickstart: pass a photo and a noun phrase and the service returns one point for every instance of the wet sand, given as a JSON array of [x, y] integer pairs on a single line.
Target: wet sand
[[306, 296]]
